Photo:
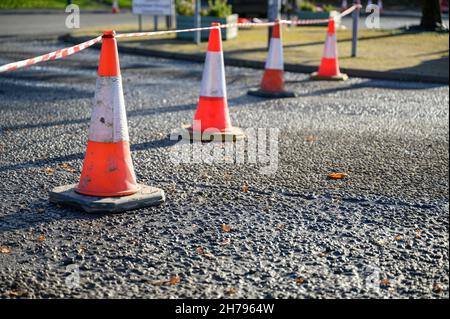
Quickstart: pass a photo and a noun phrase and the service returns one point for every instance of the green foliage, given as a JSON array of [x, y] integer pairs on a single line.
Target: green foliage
[[328, 8], [312, 7], [307, 6], [185, 7], [219, 8], [216, 8]]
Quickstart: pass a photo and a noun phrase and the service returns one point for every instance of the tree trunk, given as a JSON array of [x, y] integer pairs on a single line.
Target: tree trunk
[[431, 15]]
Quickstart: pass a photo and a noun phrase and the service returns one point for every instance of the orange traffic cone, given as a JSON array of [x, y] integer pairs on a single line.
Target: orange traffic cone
[[329, 67], [115, 6], [108, 177], [212, 119], [108, 169], [272, 84]]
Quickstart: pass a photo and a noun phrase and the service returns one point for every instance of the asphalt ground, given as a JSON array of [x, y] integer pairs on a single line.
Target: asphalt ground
[[381, 233]]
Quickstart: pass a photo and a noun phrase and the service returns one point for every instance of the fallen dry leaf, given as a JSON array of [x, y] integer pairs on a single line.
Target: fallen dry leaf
[[418, 233], [437, 288], [68, 168], [41, 238], [231, 291], [18, 293], [201, 251], [225, 242], [209, 256], [245, 189], [310, 138], [385, 282], [337, 176], [49, 171], [174, 280], [5, 250], [226, 228]]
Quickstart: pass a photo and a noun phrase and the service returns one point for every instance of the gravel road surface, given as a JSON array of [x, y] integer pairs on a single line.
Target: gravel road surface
[[381, 233]]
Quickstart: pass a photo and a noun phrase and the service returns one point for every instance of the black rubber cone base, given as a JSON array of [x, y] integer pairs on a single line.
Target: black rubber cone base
[[232, 134], [145, 197], [271, 95], [339, 77]]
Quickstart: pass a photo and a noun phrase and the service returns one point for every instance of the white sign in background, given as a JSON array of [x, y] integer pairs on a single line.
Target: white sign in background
[[153, 7]]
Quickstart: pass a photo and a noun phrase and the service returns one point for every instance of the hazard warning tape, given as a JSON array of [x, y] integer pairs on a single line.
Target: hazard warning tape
[[63, 53], [59, 54], [222, 26]]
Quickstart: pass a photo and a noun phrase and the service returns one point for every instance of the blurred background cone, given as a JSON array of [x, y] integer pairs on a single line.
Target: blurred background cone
[[272, 84], [115, 6], [329, 67], [212, 119], [380, 5]]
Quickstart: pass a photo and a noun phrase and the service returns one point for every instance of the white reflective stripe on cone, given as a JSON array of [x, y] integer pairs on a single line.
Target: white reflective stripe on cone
[[275, 57], [213, 80], [109, 119], [330, 51]]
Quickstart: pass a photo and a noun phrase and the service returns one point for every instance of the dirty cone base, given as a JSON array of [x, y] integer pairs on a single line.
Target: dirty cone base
[[231, 134], [339, 77], [271, 95], [145, 197]]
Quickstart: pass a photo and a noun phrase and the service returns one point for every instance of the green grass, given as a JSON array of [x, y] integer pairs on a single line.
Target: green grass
[[60, 4]]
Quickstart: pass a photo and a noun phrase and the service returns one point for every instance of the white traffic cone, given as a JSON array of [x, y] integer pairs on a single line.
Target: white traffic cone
[[108, 182], [115, 6], [212, 119], [329, 66], [272, 84]]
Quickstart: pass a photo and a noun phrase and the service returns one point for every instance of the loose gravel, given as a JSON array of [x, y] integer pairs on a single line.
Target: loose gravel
[[381, 233]]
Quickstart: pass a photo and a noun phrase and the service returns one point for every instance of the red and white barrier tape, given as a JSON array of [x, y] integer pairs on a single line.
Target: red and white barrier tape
[[222, 26], [60, 54], [350, 10]]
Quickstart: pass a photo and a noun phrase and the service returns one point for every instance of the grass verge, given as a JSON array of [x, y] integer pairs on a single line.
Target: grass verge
[[416, 53]]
